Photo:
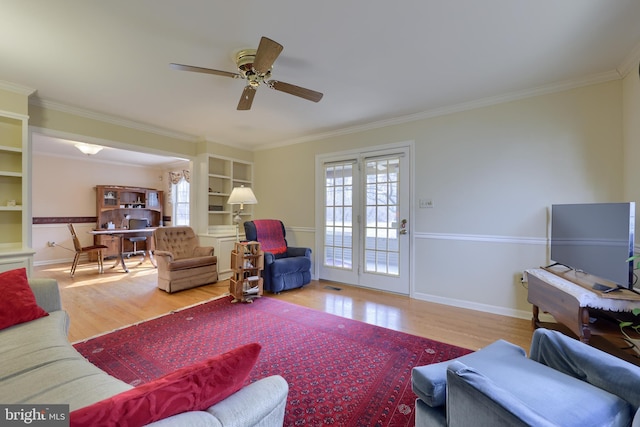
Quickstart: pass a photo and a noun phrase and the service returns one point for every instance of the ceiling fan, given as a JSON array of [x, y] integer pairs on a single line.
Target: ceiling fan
[[255, 67]]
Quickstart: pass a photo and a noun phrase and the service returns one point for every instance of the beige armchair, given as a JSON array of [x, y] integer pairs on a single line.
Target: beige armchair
[[182, 263]]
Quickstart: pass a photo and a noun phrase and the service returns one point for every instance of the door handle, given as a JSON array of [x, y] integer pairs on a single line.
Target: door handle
[[403, 227]]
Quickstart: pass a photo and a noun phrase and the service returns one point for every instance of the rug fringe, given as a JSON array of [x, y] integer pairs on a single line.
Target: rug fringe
[[226, 294]]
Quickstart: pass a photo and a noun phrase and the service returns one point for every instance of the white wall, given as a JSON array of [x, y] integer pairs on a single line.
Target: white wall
[[64, 187], [631, 126], [492, 173]]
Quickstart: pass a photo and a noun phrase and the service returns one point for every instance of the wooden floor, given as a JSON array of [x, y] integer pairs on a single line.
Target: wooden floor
[[99, 303]]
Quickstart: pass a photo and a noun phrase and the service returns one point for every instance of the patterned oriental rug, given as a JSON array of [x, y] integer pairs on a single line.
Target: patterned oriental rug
[[340, 371]]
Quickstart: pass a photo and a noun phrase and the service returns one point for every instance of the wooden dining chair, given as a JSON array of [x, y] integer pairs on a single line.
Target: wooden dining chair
[[97, 249]]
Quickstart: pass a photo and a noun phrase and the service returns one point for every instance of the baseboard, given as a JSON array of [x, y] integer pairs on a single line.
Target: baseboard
[[486, 308]]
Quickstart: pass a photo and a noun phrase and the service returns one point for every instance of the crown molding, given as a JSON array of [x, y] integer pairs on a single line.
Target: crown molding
[[630, 63], [118, 121], [627, 66], [14, 87], [457, 108]]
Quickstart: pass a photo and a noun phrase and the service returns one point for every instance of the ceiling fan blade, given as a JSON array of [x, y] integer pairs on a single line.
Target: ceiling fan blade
[[309, 94], [204, 70], [266, 55], [247, 98]]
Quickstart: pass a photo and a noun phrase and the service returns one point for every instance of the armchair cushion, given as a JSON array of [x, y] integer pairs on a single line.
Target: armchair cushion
[[187, 263], [603, 370], [532, 395], [429, 382], [501, 408]]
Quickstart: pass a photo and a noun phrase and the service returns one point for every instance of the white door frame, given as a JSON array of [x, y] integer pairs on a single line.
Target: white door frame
[[321, 159]]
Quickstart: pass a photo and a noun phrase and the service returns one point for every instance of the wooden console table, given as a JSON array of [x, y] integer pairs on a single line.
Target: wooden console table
[[568, 296]]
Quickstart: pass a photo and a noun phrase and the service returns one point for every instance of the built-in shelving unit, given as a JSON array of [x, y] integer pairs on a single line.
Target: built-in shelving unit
[[15, 219], [223, 175], [218, 176]]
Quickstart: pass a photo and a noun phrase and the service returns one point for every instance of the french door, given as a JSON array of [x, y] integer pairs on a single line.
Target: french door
[[365, 219]]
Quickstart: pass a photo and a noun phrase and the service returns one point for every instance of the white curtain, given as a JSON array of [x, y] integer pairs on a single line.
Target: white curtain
[[174, 178]]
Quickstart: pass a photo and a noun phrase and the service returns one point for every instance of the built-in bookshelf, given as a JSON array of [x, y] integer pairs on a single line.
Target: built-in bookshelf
[[218, 176], [223, 174], [15, 218]]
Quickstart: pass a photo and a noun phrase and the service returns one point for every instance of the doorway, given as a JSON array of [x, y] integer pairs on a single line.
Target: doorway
[[363, 228]]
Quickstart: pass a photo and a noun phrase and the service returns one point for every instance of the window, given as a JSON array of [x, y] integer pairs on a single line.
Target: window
[[180, 200]]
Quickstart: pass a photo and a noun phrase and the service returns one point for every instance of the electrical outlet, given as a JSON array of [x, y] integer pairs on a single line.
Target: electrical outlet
[[51, 244]]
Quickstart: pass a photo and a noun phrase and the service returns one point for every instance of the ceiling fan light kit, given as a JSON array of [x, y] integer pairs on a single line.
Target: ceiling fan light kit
[[254, 66]]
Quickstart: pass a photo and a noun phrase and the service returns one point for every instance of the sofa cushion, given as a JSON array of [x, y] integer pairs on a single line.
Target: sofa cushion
[[18, 303], [47, 360], [191, 388], [430, 382]]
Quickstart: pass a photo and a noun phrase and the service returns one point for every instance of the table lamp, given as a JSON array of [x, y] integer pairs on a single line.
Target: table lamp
[[241, 196]]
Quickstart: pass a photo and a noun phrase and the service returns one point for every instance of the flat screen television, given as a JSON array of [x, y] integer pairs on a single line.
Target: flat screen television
[[595, 238]]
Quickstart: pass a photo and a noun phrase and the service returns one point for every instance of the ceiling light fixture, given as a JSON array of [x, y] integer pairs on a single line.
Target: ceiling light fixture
[[88, 149]]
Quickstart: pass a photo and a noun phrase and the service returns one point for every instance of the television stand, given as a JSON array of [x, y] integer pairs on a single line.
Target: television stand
[[569, 297]]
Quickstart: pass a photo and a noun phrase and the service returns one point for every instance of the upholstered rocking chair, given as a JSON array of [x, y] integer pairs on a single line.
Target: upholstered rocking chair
[[285, 267]]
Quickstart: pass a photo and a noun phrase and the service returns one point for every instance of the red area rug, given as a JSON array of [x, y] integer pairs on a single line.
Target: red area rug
[[340, 372]]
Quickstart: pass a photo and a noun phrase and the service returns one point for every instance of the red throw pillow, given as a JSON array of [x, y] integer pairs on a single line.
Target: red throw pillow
[[192, 388], [18, 304]]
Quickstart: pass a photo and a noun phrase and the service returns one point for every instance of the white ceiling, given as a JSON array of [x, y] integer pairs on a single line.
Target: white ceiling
[[376, 61]]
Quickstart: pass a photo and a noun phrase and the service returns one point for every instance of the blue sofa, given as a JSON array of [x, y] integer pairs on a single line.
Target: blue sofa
[[285, 267], [563, 383]]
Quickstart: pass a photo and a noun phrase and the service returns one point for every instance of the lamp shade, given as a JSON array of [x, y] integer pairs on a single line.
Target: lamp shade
[[242, 196], [88, 149]]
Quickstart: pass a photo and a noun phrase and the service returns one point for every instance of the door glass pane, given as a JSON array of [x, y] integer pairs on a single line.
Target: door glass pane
[[381, 245], [338, 180]]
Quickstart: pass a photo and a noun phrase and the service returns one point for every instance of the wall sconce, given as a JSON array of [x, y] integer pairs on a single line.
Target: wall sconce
[[88, 149]]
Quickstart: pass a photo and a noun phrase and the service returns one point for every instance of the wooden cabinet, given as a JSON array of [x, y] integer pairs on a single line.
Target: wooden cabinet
[[15, 217], [247, 263], [223, 241], [115, 203]]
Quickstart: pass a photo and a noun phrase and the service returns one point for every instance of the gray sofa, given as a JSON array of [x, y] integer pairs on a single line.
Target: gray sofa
[[38, 365], [563, 383]]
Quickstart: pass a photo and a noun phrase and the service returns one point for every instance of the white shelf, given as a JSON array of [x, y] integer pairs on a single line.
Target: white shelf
[[220, 175], [10, 149]]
